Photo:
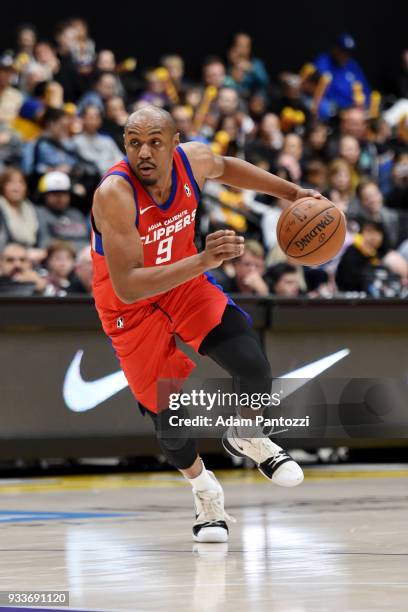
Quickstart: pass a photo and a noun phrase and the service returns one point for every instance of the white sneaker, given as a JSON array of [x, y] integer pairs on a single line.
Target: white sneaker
[[272, 461], [210, 525]]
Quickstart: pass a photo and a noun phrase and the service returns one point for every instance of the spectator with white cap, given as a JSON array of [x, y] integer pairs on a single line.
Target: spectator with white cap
[[58, 219]]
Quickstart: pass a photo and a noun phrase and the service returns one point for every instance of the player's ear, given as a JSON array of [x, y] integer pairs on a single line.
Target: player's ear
[[176, 139]]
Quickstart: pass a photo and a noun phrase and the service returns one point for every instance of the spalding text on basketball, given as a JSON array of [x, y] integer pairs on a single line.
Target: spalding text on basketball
[[301, 243]]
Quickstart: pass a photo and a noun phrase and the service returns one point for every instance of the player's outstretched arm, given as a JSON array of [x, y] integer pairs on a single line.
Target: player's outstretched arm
[[114, 211], [240, 173]]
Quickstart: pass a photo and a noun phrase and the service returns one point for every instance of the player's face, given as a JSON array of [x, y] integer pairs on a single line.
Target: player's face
[[149, 147]]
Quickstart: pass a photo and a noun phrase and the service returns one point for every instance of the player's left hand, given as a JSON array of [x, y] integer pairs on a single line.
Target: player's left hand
[[307, 193]]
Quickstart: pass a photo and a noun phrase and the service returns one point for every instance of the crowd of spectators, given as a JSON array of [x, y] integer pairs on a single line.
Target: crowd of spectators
[[63, 105]]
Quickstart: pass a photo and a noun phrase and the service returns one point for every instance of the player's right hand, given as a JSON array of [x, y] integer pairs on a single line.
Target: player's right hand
[[221, 246]]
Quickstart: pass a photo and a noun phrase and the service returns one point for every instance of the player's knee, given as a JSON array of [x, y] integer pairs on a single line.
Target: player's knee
[[263, 367], [179, 452], [253, 366]]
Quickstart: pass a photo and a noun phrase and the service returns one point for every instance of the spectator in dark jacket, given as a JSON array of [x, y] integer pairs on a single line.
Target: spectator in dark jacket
[[356, 269], [398, 195], [54, 149]]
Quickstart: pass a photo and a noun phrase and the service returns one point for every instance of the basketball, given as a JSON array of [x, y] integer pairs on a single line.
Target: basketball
[[311, 231]]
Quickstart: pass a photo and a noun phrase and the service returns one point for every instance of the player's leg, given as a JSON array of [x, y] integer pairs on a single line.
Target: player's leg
[[143, 368], [234, 345], [181, 452]]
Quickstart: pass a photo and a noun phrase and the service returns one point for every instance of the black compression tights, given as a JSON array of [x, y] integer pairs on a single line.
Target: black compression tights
[[234, 346]]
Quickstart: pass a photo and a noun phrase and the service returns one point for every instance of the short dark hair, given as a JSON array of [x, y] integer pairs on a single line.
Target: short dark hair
[[363, 184], [402, 153], [61, 26], [26, 26], [61, 245], [212, 59], [52, 115], [99, 74], [87, 107], [275, 273], [366, 220], [7, 174]]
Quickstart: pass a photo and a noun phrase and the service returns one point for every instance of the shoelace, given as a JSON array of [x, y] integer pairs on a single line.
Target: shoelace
[[275, 459], [265, 447], [268, 432], [212, 507]]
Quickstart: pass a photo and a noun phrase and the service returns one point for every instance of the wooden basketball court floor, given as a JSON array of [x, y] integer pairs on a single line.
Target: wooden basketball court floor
[[123, 542]]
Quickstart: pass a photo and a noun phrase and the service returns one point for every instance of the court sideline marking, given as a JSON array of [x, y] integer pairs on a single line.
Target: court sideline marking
[[172, 479]]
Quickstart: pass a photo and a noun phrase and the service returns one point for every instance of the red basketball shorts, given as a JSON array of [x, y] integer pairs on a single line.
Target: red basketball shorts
[[145, 342]]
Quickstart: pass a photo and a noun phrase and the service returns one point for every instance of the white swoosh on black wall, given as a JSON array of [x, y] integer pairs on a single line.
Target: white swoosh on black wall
[[81, 395]]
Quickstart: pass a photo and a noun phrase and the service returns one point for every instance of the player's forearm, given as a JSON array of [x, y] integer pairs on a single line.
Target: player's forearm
[[143, 283], [240, 173]]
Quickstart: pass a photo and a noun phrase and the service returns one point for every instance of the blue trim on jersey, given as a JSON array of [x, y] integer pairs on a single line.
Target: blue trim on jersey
[[230, 302], [174, 184], [189, 171], [98, 243]]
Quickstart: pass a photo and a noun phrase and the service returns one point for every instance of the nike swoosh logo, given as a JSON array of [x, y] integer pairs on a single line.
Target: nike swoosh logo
[[143, 210], [81, 395], [302, 375]]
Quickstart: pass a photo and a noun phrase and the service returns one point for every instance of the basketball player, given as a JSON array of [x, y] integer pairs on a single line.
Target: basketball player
[[150, 284]]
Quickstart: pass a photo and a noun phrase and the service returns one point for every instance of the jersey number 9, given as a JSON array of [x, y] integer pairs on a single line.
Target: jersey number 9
[[164, 250]]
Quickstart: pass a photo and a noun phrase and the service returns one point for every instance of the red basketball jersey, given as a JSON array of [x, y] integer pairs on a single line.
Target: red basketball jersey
[[166, 231]]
